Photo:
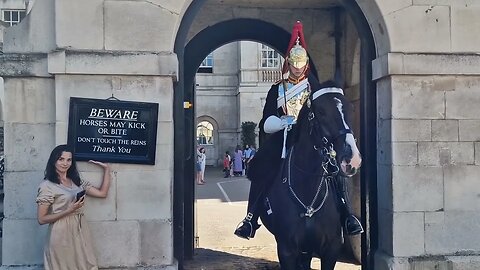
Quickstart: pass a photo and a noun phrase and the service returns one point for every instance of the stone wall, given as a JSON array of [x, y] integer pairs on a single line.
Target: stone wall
[[45, 63], [428, 146], [427, 91]]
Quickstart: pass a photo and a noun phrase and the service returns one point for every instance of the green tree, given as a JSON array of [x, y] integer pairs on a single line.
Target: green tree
[[248, 133]]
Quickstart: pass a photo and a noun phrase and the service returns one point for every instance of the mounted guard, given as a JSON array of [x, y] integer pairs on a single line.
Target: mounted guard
[[283, 104]]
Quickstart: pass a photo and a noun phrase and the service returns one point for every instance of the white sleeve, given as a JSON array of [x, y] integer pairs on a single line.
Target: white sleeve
[[273, 124]]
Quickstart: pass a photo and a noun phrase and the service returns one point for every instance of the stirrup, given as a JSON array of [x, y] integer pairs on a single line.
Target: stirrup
[[245, 229], [357, 230]]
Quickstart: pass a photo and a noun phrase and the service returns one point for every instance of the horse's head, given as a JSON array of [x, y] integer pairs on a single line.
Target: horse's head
[[328, 116]]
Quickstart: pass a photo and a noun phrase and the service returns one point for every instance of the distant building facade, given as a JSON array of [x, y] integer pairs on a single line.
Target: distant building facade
[[13, 11]]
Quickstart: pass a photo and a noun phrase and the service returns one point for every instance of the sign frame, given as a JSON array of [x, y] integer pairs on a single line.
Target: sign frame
[[87, 124]]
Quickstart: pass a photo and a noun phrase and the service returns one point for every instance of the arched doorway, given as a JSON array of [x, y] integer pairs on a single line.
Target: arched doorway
[[206, 135], [190, 57]]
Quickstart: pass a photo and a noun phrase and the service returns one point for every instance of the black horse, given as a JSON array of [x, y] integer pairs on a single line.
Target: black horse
[[300, 206]]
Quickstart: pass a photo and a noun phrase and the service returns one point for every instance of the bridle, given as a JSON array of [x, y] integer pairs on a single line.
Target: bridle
[[315, 127]]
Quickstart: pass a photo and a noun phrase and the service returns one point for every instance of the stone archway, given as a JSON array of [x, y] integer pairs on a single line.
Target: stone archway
[[368, 112]]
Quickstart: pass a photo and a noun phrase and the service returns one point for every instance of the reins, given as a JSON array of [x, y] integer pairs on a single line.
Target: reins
[[310, 210]]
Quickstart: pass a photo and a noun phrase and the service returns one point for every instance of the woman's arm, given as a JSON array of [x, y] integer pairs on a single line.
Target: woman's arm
[[43, 217], [101, 192]]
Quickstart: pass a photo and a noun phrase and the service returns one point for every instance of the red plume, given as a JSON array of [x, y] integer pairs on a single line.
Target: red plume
[[297, 31]]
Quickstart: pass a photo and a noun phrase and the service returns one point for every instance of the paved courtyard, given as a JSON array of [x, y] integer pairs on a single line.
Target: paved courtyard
[[221, 205]]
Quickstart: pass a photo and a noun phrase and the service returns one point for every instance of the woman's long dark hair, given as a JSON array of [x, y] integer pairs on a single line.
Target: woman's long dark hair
[[51, 172]]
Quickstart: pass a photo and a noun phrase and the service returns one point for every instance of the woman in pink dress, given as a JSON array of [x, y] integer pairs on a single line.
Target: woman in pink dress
[[69, 244], [238, 162]]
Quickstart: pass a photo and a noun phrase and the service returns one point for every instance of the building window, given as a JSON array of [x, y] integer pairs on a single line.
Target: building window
[[269, 57], [207, 64], [204, 133], [13, 16]]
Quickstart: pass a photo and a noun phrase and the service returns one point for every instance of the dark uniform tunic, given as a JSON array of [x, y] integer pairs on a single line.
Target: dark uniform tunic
[[267, 161]]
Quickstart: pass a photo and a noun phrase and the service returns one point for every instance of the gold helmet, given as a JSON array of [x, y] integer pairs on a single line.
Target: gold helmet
[[298, 55], [297, 49]]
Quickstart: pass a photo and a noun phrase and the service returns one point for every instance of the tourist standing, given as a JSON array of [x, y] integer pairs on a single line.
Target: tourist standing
[[237, 161], [69, 244], [226, 164]]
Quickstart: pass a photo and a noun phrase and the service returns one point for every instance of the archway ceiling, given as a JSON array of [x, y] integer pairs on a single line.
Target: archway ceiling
[[277, 3], [214, 11]]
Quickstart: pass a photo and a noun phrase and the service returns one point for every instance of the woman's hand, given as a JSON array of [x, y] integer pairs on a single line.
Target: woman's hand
[[44, 217], [101, 164], [103, 190], [78, 204]]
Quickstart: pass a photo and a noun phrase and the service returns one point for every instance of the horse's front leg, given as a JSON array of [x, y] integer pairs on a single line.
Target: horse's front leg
[[330, 256], [287, 256], [328, 263], [305, 260]]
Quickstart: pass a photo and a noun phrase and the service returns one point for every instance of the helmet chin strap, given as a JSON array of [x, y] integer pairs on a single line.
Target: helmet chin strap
[[294, 79]]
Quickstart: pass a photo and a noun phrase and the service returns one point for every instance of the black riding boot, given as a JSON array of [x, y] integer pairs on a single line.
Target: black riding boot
[[249, 224], [350, 222]]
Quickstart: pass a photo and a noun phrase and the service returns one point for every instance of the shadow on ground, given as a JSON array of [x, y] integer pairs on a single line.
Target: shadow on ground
[[208, 259], [220, 204]]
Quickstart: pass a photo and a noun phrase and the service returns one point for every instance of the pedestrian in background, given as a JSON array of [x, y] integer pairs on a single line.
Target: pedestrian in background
[[203, 163], [249, 157], [246, 155], [237, 161], [200, 165], [226, 164], [69, 244]]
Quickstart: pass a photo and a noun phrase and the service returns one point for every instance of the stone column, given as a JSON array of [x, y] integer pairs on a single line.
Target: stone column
[[29, 121], [90, 49], [428, 130]]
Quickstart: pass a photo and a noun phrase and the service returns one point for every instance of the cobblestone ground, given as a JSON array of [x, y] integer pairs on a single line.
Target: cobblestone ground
[[220, 206], [232, 259], [245, 259]]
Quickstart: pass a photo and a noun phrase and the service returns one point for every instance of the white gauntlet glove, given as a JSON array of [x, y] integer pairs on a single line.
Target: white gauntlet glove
[[274, 123]]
